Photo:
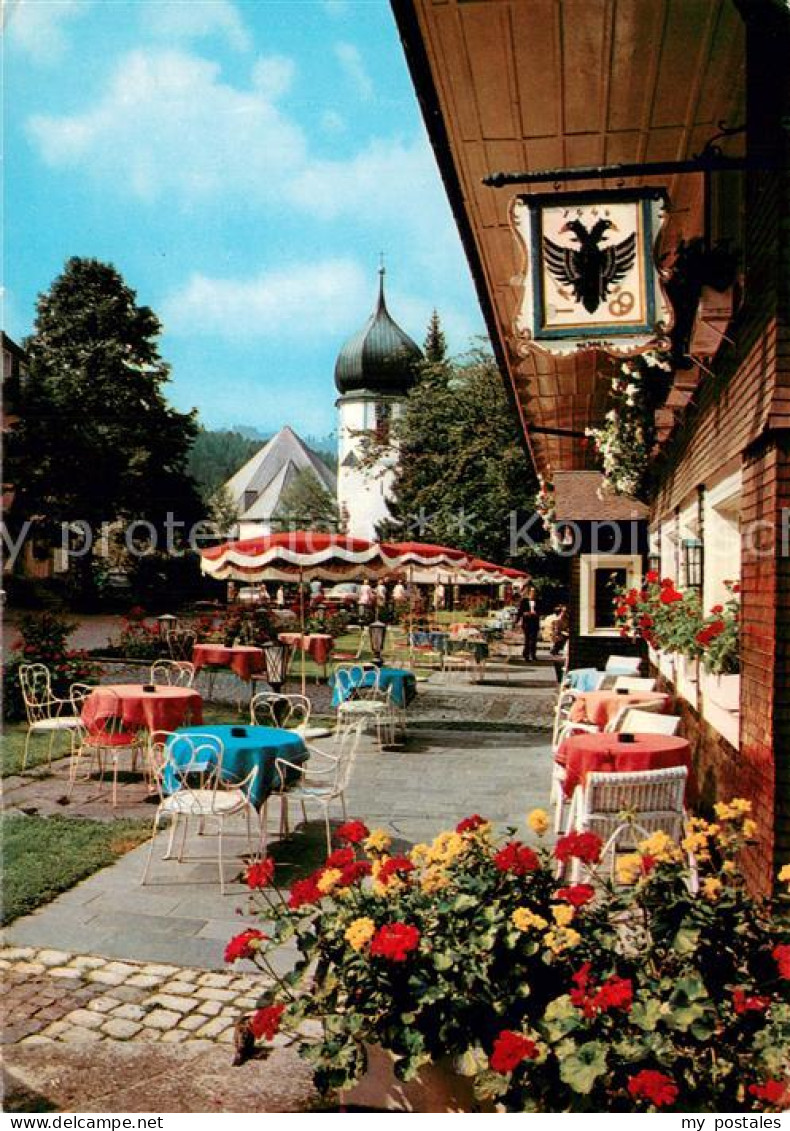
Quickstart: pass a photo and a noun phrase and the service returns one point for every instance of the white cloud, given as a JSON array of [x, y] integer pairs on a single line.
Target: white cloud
[[273, 75], [300, 301], [180, 19], [37, 27], [354, 68], [168, 123]]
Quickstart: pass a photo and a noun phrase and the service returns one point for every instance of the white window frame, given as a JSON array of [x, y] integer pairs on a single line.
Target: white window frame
[[588, 565]]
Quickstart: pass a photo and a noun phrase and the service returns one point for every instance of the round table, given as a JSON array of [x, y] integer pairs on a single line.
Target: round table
[[600, 707], [243, 747], [401, 680], [584, 753], [163, 709], [318, 645], [243, 659]]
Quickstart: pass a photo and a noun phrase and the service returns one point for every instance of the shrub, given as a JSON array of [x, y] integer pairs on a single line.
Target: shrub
[[42, 640]]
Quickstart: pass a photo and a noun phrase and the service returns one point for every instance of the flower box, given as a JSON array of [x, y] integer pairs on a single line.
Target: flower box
[[724, 691], [437, 1087], [687, 679]]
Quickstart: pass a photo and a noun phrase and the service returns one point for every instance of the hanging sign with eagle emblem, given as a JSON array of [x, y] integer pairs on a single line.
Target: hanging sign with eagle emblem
[[590, 280]]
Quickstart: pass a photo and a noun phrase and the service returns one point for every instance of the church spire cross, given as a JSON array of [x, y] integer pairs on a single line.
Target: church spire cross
[[382, 273]]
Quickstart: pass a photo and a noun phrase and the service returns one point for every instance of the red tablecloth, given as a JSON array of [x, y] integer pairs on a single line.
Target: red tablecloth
[[318, 645], [600, 707], [605, 752], [242, 659], [163, 709]]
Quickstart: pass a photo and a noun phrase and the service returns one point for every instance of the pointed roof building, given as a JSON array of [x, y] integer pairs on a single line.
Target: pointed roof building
[[258, 486], [380, 357]]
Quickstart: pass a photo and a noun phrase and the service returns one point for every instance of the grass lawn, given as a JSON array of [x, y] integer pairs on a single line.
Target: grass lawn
[[13, 748], [43, 856]]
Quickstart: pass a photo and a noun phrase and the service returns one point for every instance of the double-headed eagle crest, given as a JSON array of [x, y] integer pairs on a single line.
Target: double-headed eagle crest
[[588, 269]]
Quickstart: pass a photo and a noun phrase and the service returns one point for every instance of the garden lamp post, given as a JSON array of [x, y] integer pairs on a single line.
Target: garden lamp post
[[378, 633], [275, 658]]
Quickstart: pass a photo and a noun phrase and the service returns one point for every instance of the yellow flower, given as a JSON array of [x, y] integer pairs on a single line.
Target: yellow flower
[[538, 821], [420, 854], [378, 841], [524, 920], [446, 847], [749, 828], [434, 879], [563, 914], [629, 868], [712, 888], [360, 932], [328, 879], [732, 811], [784, 874], [561, 938], [661, 847], [697, 845], [729, 867]]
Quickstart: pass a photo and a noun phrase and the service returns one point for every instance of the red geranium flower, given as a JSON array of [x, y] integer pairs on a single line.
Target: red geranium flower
[[774, 1092], [516, 858], [395, 866], [260, 875], [577, 895], [749, 1003], [394, 941], [353, 872], [651, 577], [510, 1049], [659, 1089], [305, 891], [667, 583], [340, 858], [470, 824], [646, 621], [614, 993], [352, 832], [584, 846], [717, 609], [781, 955], [669, 596], [266, 1022], [241, 945]]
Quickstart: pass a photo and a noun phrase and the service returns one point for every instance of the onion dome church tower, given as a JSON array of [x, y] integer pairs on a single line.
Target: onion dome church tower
[[374, 371]]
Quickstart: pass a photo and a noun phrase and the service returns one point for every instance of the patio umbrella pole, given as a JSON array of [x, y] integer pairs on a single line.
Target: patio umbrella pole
[[302, 628]]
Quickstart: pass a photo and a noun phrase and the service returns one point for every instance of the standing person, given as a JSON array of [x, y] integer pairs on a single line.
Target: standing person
[[365, 601], [439, 596], [399, 596], [560, 630], [280, 597], [381, 598], [529, 619]]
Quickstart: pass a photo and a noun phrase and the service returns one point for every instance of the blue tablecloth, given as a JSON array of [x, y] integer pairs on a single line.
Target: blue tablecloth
[[258, 746], [437, 640], [402, 682]]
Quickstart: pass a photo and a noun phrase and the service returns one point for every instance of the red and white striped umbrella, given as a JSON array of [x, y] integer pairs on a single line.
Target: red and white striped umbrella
[[293, 556]]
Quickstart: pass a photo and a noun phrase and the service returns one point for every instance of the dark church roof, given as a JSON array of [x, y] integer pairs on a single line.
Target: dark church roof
[[380, 357]]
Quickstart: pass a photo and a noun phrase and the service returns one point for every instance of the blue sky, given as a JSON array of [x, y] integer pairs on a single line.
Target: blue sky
[[242, 164]]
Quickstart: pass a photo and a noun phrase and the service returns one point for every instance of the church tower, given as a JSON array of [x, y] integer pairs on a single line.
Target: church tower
[[374, 371]]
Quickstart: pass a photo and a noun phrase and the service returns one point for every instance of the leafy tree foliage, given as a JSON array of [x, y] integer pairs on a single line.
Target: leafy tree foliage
[[97, 440], [307, 505], [462, 469], [218, 454]]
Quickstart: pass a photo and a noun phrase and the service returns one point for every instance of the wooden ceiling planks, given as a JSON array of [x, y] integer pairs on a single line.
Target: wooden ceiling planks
[[536, 84]]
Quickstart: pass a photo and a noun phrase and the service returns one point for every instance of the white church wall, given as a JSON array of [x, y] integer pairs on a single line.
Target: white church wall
[[362, 493]]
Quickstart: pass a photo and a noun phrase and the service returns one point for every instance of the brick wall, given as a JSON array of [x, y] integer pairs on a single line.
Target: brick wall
[[742, 413]]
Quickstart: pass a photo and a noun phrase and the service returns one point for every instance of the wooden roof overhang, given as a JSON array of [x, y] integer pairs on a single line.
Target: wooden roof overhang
[[528, 85]]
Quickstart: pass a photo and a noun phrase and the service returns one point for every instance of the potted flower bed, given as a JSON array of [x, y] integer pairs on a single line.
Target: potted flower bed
[[545, 995]]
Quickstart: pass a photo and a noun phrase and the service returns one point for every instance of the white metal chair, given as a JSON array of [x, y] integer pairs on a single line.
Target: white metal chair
[[633, 683], [459, 660], [623, 665], [289, 712], [105, 735], [323, 783], [625, 808], [180, 643], [361, 700], [191, 783], [173, 673], [46, 713]]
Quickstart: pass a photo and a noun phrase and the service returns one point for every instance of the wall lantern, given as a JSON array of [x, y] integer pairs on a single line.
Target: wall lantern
[[692, 562], [654, 561]]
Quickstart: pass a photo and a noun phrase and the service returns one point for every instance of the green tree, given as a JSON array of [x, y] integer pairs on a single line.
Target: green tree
[[435, 346], [222, 510], [307, 505], [218, 454], [97, 440], [462, 469]]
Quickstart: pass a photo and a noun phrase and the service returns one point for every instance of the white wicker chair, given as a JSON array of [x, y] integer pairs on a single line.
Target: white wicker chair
[[322, 783], [46, 713], [625, 808], [173, 673], [196, 788], [633, 683]]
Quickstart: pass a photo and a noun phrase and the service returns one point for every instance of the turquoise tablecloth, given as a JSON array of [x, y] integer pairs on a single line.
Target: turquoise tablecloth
[[402, 682], [258, 746]]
